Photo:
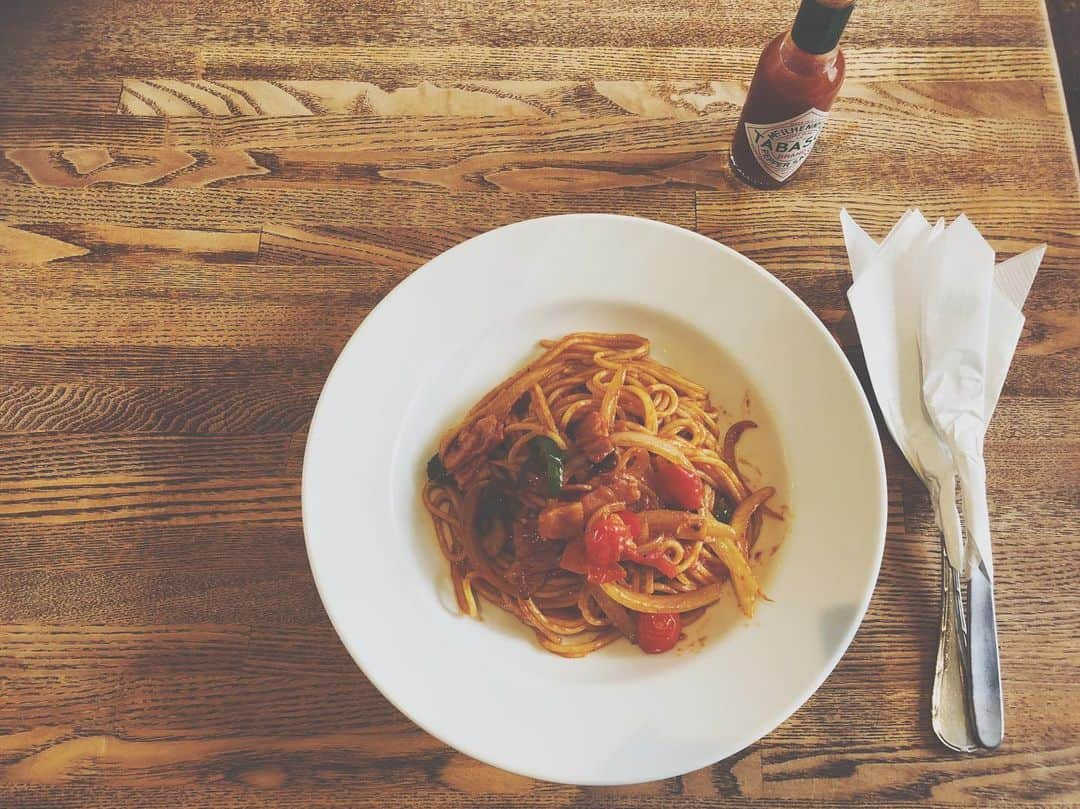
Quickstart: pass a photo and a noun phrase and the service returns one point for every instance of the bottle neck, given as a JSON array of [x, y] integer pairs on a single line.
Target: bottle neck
[[819, 25], [803, 63]]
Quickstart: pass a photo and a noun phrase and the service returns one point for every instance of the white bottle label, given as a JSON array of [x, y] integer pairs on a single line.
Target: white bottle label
[[780, 148]]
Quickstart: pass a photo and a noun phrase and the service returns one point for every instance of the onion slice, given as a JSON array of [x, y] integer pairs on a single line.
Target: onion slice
[[730, 439], [743, 579], [676, 602], [654, 444], [740, 518]]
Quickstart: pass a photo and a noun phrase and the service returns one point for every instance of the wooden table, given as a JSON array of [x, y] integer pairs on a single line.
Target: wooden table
[[199, 201]]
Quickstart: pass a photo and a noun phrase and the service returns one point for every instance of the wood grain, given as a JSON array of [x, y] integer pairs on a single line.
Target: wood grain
[[200, 201], [566, 99]]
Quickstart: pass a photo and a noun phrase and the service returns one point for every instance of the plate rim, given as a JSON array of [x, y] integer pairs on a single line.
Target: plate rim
[[538, 773]]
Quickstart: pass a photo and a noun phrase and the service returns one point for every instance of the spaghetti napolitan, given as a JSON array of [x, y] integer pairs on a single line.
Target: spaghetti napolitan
[[593, 495]]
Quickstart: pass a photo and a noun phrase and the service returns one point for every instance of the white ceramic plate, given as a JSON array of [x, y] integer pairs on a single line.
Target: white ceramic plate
[[465, 321]]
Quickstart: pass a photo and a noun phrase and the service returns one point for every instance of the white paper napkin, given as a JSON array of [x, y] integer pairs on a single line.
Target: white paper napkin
[[939, 325]]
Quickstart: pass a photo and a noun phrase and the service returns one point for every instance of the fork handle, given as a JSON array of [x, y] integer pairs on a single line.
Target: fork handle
[[950, 700]]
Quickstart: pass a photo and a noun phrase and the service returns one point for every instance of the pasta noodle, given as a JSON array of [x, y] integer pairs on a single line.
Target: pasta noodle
[[593, 495]]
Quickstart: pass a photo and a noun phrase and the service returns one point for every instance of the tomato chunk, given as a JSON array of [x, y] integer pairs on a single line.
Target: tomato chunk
[[633, 522], [606, 544], [679, 486], [658, 632], [605, 540]]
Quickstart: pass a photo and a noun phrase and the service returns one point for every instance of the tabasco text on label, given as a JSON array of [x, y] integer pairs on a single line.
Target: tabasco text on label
[[782, 147]]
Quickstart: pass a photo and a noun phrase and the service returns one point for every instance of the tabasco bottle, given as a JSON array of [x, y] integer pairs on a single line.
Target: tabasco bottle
[[797, 78]]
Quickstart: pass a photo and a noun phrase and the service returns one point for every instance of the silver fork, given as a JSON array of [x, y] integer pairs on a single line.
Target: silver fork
[[950, 700]]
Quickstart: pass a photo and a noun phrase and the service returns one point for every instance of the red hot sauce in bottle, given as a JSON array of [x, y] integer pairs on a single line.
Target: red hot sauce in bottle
[[797, 78]]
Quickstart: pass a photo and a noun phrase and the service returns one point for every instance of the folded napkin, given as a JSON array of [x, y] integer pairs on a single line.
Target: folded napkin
[[939, 324], [886, 299]]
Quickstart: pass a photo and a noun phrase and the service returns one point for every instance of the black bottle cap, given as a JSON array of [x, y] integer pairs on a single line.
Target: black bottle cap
[[819, 24]]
